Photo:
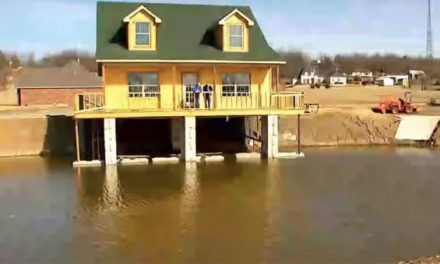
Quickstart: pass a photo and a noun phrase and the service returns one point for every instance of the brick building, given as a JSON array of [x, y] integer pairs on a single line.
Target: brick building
[[55, 85]]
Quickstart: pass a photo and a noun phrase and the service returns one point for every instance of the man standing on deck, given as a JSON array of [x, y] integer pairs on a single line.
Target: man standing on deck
[[207, 92], [197, 90]]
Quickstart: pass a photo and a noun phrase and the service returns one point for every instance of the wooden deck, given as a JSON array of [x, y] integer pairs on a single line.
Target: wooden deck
[[92, 106]]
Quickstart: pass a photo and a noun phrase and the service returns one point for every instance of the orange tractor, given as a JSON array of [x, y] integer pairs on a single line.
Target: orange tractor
[[396, 105]]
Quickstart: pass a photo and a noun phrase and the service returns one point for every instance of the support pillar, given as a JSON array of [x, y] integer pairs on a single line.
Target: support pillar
[[77, 144], [248, 133], [269, 136], [176, 134], [80, 140], [110, 141], [189, 150], [252, 132], [82, 130]]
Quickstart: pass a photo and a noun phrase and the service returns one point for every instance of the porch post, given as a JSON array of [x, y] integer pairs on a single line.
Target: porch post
[[214, 96], [103, 77], [259, 98], [174, 88], [110, 141], [298, 136], [278, 78], [269, 136]]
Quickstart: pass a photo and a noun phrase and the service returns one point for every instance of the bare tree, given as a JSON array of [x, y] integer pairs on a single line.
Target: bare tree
[[14, 61], [327, 65], [30, 60], [296, 61], [3, 60], [62, 58]]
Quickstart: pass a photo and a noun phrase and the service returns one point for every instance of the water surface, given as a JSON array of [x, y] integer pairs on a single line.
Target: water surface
[[336, 206]]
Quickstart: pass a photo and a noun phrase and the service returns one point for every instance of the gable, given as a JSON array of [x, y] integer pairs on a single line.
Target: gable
[[142, 16], [142, 10], [237, 14], [186, 32], [235, 19]]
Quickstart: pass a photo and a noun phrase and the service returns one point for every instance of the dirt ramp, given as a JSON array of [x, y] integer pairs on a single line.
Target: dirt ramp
[[339, 127]]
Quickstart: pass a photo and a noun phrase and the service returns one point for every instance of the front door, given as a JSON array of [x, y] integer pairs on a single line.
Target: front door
[[189, 79]]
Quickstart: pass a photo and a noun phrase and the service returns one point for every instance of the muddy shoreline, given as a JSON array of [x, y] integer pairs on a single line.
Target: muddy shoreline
[[331, 127], [342, 127]]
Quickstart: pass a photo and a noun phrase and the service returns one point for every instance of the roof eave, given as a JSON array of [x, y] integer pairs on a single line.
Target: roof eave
[[59, 87], [191, 61]]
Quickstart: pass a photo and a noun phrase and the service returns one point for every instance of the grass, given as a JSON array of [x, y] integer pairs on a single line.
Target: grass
[[365, 95]]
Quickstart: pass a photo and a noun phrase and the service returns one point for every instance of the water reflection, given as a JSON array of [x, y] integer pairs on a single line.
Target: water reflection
[[190, 193], [111, 190], [273, 210], [340, 206]]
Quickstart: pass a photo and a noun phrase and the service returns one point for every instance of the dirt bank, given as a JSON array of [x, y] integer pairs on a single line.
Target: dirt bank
[[361, 95], [424, 260], [334, 127], [36, 136]]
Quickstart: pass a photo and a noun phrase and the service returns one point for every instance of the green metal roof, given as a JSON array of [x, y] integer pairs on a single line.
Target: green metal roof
[[186, 33]]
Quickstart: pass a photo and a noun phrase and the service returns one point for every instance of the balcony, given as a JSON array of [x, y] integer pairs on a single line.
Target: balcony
[[232, 100]]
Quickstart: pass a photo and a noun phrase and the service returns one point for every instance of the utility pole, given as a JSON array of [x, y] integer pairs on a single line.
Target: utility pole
[[429, 46], [429, 49]]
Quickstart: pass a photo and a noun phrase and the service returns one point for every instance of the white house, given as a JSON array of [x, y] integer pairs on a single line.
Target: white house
[[385, 81], [338, 78], [362, 73], [311, 78], [416, 74], [399, 79], [312, 74]]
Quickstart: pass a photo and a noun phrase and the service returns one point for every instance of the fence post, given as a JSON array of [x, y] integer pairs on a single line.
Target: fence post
[[76, 102]]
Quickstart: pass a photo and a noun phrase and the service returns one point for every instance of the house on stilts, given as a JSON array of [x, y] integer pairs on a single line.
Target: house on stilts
[[151, 57]]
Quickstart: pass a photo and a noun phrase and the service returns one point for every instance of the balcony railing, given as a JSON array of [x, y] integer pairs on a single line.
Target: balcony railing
[[287, 100], [89, 101], [221, 100]]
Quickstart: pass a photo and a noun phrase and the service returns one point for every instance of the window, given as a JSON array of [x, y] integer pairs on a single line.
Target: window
[[142, 34], [236, 84], [236, 36], [143, 85]]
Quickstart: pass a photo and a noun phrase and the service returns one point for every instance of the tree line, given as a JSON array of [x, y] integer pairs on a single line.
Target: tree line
[[296, 61], [54, 60]]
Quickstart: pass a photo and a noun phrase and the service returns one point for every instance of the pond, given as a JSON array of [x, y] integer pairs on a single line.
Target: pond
[[339, 205]]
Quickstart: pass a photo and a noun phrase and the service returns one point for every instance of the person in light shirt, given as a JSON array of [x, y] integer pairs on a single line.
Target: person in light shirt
[[197, 90]]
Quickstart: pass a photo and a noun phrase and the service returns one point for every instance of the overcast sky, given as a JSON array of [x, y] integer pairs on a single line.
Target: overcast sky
[[313, 26]]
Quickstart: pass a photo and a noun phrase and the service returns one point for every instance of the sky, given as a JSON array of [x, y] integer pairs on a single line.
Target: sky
[[313, 26]]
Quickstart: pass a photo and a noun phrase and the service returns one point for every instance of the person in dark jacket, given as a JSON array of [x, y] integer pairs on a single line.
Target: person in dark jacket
[[207, 92]]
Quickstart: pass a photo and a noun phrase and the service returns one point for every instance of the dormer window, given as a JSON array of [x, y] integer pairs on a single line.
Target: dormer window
[[143, 36], [142, 29], [236, 36], [233, 32]]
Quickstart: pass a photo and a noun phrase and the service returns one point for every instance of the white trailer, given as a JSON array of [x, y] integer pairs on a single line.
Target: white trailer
[[385, 81]]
